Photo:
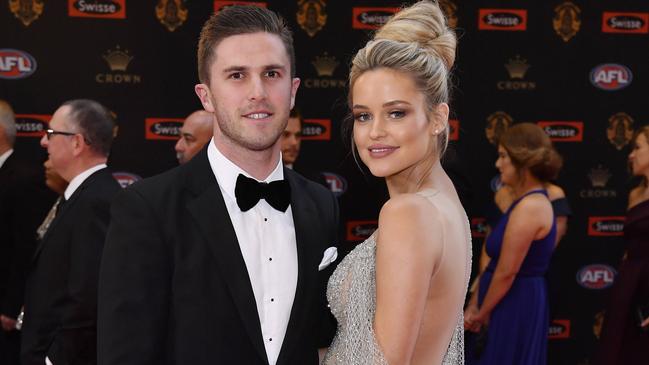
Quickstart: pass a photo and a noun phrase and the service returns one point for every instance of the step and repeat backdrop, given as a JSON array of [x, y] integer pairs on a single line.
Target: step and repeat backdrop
[[577, 68]]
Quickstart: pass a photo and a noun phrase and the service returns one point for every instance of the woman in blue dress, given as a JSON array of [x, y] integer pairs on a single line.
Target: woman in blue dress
[[511, 300]]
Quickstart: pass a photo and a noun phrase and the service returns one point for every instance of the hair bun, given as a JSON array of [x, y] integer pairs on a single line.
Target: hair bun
[[424, 24]]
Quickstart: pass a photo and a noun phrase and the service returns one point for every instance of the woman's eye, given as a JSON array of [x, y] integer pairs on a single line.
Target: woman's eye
[[362, 117], [397, 114]]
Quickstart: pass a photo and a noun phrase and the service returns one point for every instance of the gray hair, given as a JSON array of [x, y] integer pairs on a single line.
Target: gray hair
[[8, 121]]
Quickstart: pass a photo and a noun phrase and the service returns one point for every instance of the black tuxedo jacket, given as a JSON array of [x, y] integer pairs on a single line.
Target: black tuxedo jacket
[[24, 202], [174, 288], [61, 296]]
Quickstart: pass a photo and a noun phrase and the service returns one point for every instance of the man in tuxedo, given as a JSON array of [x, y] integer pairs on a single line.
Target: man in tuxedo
[[195, 133], [224, 260], [61, 296], [23, 203]]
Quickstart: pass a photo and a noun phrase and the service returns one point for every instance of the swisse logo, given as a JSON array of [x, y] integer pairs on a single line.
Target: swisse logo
[[162, 128], [596, 276], [454, 130], [337, 184], [371, 18], [615, 22], [502, 19], [360, 230], [316, 129], [219, 5], [113, 9], [606, 226], [611, 76], [125, 178], [560, 131], [16, 64], [32, 125], [559, 329], [478, 227]]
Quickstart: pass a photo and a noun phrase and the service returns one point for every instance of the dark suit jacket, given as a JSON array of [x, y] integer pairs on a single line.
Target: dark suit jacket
[[174, 288], [61, 297], [24, 202]]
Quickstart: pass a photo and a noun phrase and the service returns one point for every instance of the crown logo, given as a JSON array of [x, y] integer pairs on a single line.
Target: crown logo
[[517, 67], [117, 59], [325, 65], [599, 176]]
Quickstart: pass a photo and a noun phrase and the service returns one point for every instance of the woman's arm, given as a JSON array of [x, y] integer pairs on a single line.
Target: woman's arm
[[409, 248]]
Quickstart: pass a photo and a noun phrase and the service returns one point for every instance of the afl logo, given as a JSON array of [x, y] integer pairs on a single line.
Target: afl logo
[[16, 64], [596, 276], [502, 19], [125, 178], [611, 76], [337, 184], [371, 18]]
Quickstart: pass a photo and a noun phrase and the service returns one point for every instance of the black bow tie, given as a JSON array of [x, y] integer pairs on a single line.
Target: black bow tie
[[248, 192]]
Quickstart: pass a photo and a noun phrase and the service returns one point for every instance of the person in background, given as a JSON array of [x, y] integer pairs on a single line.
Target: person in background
[[290, 141], [625, 332], [195, 133]]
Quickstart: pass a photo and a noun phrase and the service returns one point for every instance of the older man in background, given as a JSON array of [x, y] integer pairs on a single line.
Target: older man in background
[[194, 135]]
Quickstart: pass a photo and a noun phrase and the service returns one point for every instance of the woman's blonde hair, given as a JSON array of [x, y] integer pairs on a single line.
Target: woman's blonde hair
[[418, 42]]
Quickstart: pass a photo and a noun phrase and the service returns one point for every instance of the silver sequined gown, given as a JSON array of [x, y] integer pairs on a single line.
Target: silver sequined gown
[[351, 293]]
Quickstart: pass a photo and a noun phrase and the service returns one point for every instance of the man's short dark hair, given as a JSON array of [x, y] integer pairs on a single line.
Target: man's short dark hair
[[237, 20], [94, 122]]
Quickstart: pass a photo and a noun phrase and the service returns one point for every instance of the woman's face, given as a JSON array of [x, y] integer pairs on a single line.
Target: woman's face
[[508, 173], [639, 156], [393, 131]]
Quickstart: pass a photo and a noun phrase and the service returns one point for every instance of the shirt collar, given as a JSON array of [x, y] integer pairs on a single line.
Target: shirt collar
[[79, 179], [226, 171], [5, 156]]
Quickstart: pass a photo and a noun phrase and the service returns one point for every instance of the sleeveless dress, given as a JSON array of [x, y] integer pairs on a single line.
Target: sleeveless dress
[[623, 341], [518, 326], [351, 293]]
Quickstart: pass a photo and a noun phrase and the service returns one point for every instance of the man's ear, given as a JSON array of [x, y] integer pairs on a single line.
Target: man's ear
[[205, 96]]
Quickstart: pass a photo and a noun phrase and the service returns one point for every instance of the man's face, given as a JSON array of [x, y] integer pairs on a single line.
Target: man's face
[[251, 90], [60, 148], [194, 134], [290, 140]]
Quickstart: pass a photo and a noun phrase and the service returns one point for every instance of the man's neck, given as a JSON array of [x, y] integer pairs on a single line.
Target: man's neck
[[4, 148], [82, 166], [259, 164]]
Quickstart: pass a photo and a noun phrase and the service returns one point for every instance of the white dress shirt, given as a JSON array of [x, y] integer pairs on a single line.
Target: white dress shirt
[[5, 156], [79, 179], [267, 241]]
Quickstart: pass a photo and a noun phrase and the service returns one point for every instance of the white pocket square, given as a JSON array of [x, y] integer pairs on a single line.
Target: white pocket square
[[330, 255]]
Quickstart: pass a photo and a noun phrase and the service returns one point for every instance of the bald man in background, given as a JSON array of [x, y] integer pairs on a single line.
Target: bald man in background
[[195, 133]]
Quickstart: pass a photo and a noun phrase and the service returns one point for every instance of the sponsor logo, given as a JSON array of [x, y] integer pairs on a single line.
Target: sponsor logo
[[112, 9], [454, 130], [26, 10], [118, 61], [162, 128], [559, 329], [497, 124], [566, 21], [371, 18], [620, 130], [360, 230], [311, 16], [606, 226], [16, 64], [32, 125], [517, 68], [171, 13], [614, 22], [337, 184], [596, 276], [325, 66], [316, 129], [478, 227], [611, 76], [502, 19], [563, 131], [450, 10], [218, 5], [125, 178], [599, 177]]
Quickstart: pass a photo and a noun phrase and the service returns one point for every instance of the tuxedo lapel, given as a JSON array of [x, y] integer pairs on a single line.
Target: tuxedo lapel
[[304, 219], [207, 207]]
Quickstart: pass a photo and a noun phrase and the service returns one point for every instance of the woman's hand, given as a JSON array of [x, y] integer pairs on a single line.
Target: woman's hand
[[470, 315]]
